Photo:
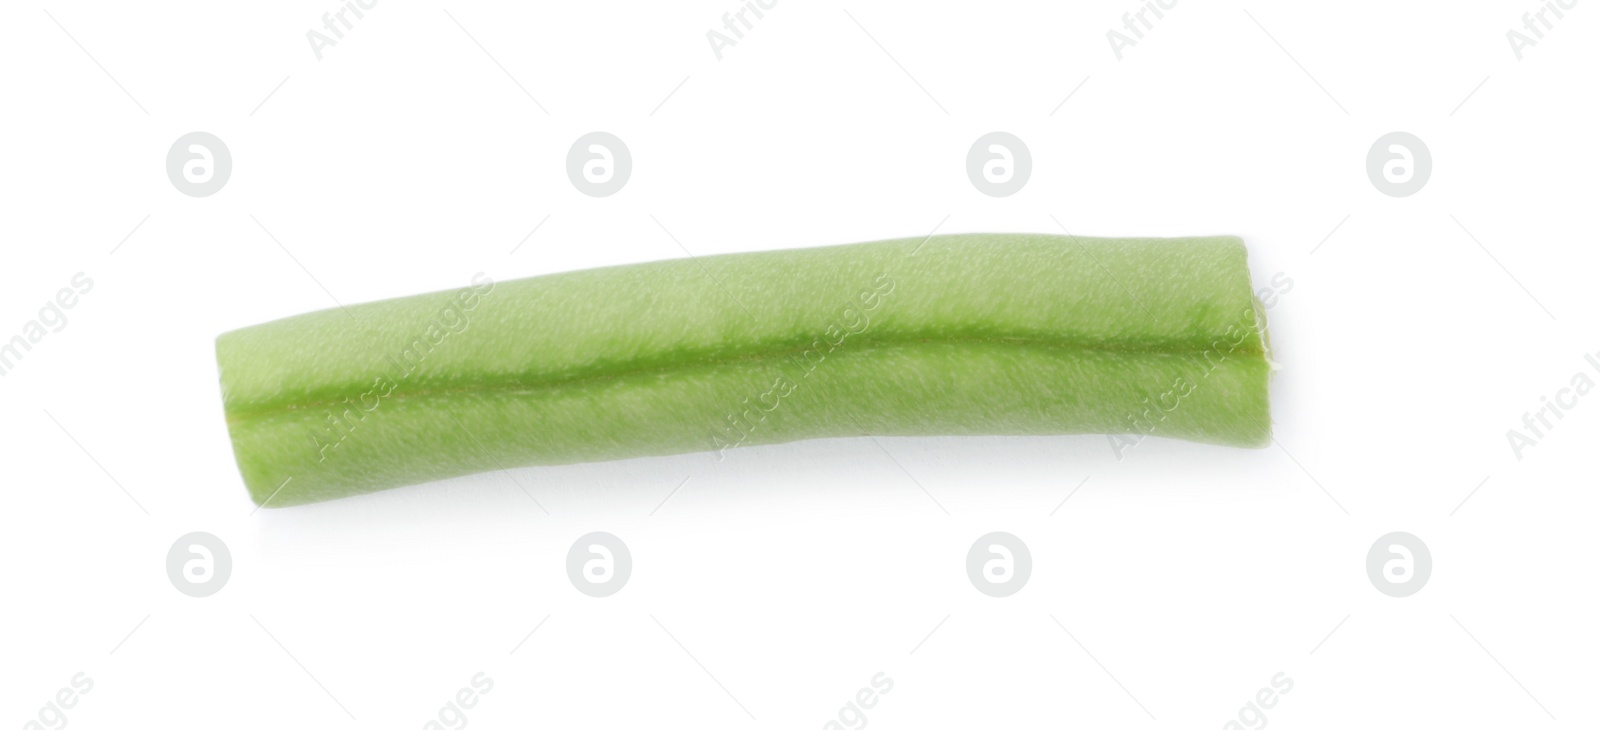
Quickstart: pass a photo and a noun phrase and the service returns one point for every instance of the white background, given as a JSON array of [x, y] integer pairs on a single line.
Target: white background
[[1167, 587]]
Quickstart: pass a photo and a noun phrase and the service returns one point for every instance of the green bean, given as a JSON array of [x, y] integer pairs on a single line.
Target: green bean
[[951, 335]]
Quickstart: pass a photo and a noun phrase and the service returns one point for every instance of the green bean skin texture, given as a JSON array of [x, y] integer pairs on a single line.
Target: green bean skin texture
[[972, 334]]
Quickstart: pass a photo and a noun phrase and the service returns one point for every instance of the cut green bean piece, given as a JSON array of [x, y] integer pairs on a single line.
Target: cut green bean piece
[[998, 334]]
